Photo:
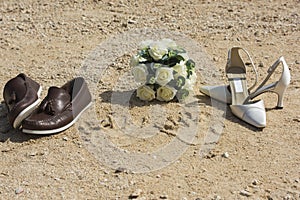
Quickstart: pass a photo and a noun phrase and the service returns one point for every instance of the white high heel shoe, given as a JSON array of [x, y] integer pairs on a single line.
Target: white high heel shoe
[[222, 92], [251, 112], [278, 87]]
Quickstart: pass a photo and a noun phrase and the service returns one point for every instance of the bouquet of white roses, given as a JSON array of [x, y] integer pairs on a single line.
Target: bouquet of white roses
[[164, 70]]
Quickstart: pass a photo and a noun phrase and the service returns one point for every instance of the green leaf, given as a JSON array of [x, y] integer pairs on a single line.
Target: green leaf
[[177, 83], [172, 53], [151, 86], [151, 79], [182, 94], [180, 82], [174, 60], [144, 53], [165, 57], [156, 66], [190, 64], [156, 86]]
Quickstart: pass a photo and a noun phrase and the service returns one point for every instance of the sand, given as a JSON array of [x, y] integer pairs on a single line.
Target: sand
[[124, 148]]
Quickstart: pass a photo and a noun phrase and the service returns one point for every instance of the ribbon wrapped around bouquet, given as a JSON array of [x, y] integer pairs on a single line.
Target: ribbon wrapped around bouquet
[[164, 71]]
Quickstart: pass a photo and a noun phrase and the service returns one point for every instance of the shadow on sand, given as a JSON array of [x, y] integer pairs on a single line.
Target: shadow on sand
[[8, 133]]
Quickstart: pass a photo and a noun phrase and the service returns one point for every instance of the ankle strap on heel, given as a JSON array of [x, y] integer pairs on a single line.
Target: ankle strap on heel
[[275, 65]]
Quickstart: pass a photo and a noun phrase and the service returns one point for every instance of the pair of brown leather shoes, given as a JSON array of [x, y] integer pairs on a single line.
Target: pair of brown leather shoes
[[58, 111]]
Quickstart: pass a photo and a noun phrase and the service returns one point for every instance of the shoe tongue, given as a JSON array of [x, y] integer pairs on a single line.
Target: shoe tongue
[[59, 98]]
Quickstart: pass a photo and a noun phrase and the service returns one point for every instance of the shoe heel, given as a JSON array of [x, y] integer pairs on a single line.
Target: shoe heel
[[283, 83], [280, 90], [280, 100], [278, 87]]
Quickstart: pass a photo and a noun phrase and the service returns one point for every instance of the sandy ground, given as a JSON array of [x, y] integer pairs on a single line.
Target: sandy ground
[[52, 41]]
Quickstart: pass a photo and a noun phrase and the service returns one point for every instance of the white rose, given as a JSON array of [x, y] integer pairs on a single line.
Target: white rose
[[145, 44], [140, 73], [145, 93], [180, 68], [166, 93], [163, 75], [157, 50]]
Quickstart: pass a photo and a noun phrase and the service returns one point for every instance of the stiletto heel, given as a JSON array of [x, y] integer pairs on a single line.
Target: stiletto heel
[[279, 87], [223, 93], [280, 100]]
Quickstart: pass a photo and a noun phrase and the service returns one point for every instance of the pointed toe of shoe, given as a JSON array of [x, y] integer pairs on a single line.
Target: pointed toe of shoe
[[219, 92], [205, 89], [255, 117], [253, 113]]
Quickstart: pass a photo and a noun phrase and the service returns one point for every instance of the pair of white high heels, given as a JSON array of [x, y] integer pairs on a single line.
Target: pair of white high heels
[[240, 97]]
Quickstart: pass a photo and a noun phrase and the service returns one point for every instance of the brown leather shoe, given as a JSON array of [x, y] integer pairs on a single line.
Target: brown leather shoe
[[21, 96], [60, 108]]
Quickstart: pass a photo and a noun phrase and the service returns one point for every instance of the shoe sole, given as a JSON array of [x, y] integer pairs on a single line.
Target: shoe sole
[[52, 131], [27, 111]]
